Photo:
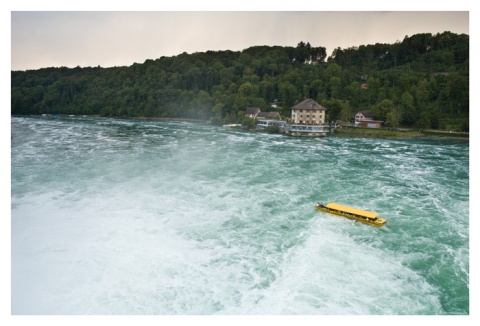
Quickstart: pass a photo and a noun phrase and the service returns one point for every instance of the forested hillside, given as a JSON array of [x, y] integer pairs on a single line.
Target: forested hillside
[[422, 81]]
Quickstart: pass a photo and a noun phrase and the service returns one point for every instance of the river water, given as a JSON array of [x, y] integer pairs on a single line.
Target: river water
[[112, 216]]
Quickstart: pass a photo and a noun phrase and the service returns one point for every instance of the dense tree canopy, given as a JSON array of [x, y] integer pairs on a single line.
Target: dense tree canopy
[[422, 80]]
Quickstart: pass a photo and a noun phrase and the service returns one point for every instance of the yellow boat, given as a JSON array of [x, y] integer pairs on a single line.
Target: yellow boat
[[352, 213]]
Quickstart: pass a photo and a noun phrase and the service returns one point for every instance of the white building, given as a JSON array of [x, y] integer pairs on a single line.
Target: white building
[[308, 120], [308, 112]]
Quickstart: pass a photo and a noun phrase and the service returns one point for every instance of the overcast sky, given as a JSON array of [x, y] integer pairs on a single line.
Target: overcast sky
[[121, 38]]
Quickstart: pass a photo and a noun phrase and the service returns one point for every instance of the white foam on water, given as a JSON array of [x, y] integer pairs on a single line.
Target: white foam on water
[[325, 275], [193, 222], [88, 258]]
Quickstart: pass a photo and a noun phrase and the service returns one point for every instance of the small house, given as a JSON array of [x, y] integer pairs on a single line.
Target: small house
[[252, 112], [370, 124], [268, 115], [363, 116], [365, 119]]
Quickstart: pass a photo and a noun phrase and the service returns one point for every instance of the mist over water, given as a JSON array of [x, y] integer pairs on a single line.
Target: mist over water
[[115, 216]]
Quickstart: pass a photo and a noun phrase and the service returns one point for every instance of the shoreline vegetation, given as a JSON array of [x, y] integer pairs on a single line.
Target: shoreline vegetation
[[346, 131], [421, 82], [342, 131]]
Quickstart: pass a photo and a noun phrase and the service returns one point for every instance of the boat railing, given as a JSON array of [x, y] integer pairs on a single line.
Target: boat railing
[[373, 220], [346, 214]]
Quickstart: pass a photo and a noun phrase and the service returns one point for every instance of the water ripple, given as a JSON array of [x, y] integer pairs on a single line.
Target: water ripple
[[116, 216]]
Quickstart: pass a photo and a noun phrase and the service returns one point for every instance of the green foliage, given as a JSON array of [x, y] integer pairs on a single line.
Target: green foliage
[[409, 113], [422, 80], [338, 110], [382, 109], [392, 120], [248, 122], [424, 120]]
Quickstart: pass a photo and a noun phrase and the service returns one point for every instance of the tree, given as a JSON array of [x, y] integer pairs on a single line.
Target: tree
[[288, 93], [381, 110], [267, 90], [353, 93], [316, 87], [424, 120], [409, 114], [246, 90], [335, 87], [392, 119], [201, 105], [318, 54], [248, 122], [333, 70], [301, 53], [338, 109], [217, 110], [435, 119], [458, 93], [346, 114], [192, 85]]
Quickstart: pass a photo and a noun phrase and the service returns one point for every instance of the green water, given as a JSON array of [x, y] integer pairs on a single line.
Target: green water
[[153, 217]]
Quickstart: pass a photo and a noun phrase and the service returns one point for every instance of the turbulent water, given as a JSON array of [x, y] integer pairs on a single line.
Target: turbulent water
[[151, 217]]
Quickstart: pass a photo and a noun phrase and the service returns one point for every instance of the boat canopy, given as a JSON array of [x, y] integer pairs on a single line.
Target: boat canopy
[[352, 210]]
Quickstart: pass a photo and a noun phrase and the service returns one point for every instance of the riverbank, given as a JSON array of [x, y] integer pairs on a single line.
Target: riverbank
[[347, 131], [342, 131]]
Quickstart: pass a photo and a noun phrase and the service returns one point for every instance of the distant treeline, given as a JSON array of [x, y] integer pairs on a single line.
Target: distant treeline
[[421, 81]]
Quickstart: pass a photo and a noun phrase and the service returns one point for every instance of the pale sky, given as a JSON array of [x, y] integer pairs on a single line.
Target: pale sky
[[121, 38]]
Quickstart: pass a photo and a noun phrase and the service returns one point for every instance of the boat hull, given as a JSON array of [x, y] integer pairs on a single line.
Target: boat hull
[[365, 220]]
